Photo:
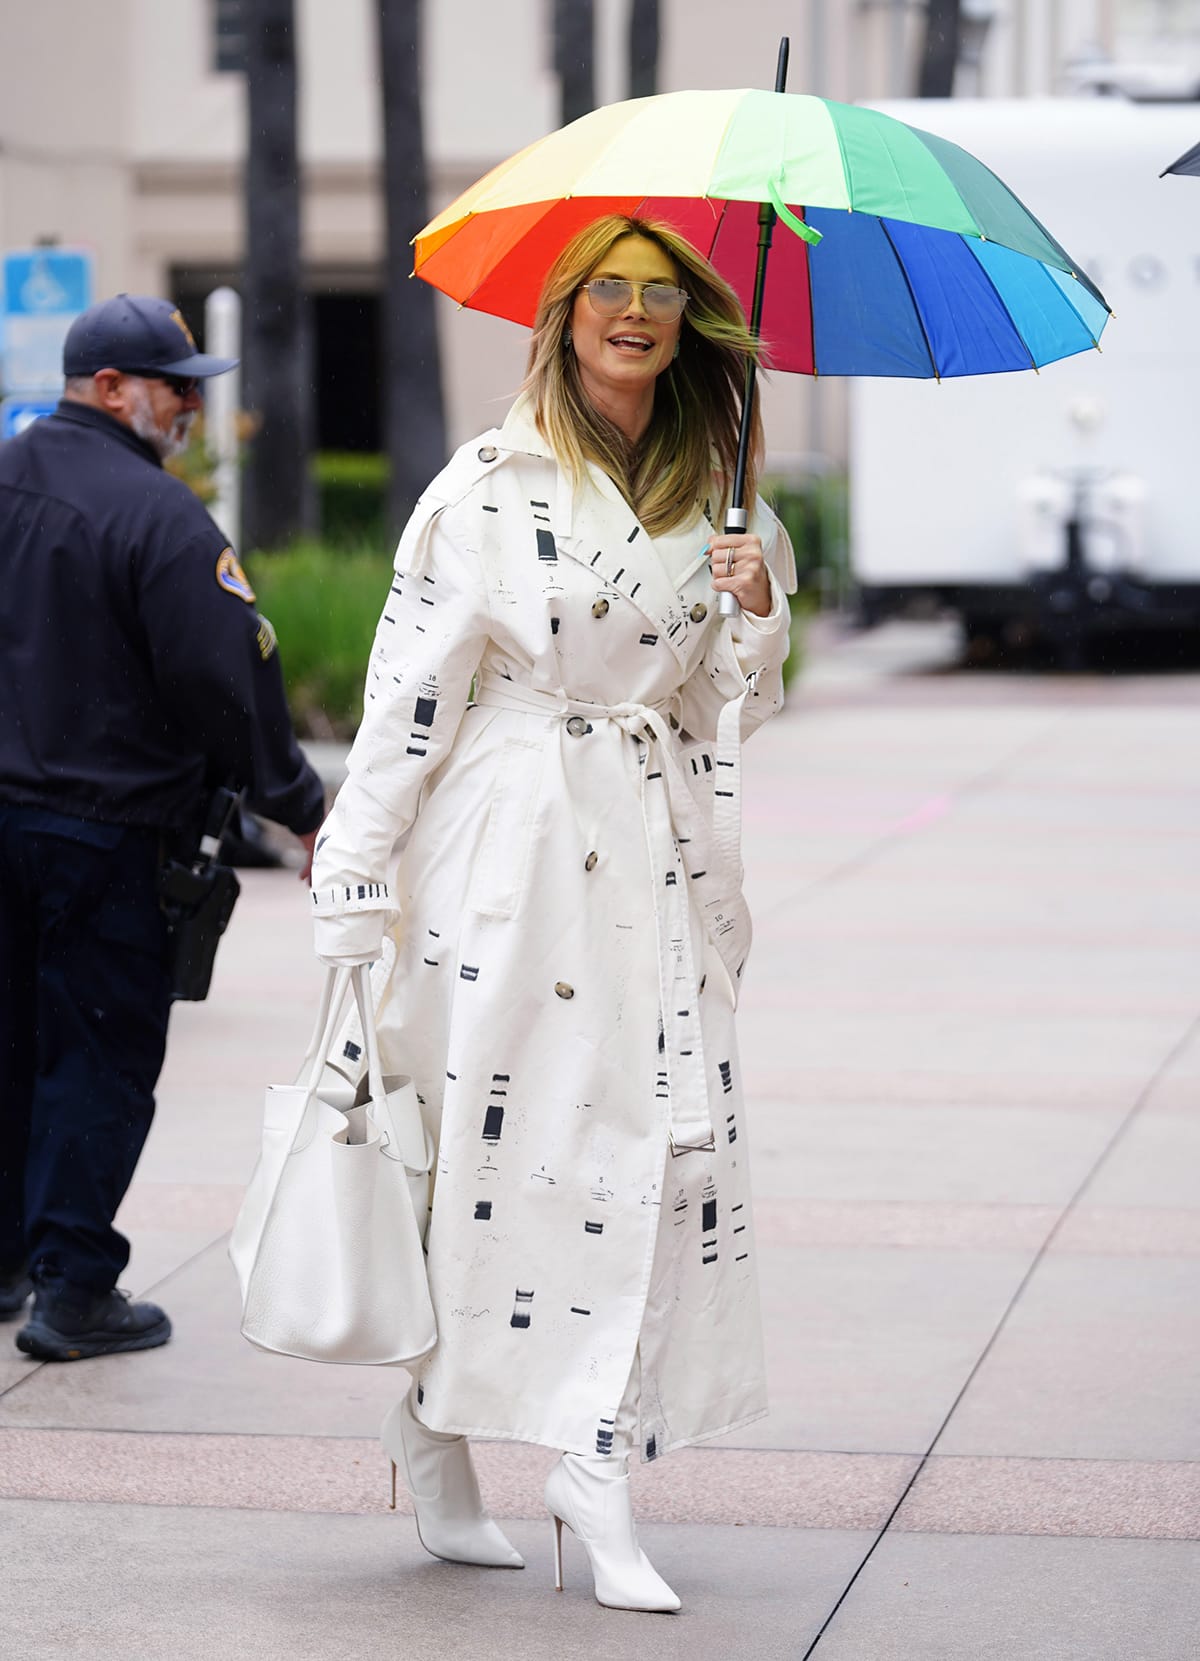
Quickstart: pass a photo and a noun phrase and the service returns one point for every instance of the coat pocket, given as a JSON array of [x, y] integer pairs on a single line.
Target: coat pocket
[[498, 881]]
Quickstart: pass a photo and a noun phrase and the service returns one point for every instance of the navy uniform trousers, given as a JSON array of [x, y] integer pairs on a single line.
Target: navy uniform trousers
[[84, 1002]]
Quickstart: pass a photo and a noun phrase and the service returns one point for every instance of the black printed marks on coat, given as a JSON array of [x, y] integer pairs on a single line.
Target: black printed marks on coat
[[424, 711], [493, 1117], [708, 1223]]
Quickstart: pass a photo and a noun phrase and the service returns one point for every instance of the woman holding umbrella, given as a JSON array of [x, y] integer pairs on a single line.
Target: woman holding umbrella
[[539, 841]]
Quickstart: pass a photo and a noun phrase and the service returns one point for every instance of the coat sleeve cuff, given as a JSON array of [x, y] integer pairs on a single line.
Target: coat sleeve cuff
[[771, 623], [349, 920], [348, 939], [345, 898]]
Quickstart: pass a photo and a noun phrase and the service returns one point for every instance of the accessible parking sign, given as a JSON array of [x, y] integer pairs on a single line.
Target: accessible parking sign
[[44, 291], [18, 413]]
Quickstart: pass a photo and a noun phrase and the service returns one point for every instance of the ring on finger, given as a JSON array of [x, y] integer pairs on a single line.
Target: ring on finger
[[729, 563]]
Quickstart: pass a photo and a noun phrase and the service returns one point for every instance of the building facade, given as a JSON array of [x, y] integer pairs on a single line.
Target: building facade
[[123, 126]]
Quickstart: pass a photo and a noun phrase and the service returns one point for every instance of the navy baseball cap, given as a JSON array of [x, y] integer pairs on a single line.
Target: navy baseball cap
[[140, 335]]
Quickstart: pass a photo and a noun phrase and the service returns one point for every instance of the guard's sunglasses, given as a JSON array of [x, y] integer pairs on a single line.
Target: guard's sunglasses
[[181, 385], [611, 296]]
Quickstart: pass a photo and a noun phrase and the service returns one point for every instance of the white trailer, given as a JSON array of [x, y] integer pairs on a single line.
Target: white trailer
[[1062, 503]]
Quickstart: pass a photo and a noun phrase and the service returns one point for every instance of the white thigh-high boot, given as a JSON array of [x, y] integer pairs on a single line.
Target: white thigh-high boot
[[451, 1521], [591, 1498]]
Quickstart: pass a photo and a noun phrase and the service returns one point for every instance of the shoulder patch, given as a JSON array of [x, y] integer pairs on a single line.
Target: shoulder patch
[[232, 578], [266, 639]]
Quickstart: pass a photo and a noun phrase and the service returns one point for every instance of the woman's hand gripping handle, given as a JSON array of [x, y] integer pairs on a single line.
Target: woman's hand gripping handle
[[739, 571]]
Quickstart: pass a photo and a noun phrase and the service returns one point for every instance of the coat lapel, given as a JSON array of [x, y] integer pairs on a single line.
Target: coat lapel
[[599, 530]]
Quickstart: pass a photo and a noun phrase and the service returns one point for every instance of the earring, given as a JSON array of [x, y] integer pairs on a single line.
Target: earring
[[675, 353], [567, 336]]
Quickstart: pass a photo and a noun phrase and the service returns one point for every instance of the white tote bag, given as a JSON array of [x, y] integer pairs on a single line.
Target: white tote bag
[[328, 1242]]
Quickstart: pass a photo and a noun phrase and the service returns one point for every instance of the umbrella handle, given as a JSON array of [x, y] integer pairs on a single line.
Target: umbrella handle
[[735, 514], [735, 522]]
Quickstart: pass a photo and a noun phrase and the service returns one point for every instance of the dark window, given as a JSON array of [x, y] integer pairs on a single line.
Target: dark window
[[349, 386], [346, 346], [228, 37]]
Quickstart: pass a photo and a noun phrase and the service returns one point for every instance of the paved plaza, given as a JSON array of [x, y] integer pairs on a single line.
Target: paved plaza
[[971, 1041]]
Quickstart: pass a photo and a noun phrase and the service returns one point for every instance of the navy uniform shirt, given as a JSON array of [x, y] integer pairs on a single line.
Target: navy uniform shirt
[[134, 669]]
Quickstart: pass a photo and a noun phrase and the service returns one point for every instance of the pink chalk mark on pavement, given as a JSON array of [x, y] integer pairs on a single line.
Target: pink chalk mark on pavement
[[937, 807]]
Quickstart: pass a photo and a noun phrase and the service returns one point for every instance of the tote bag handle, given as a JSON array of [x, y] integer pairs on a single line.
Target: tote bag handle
[[361, 975], [397, 1110], [333, 995]]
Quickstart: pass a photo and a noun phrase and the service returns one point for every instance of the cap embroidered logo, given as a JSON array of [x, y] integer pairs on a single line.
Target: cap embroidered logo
[[177, 319]]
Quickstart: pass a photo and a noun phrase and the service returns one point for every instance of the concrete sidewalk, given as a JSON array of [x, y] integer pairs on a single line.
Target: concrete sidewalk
[[971, 1036]]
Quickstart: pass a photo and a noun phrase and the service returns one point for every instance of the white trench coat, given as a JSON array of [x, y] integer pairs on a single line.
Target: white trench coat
[[556, 865]]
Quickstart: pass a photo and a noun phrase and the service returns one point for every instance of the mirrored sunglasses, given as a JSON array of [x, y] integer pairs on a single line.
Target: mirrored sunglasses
[[610, 296]]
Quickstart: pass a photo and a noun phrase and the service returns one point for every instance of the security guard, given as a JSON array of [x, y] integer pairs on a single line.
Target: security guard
[[135, 673]]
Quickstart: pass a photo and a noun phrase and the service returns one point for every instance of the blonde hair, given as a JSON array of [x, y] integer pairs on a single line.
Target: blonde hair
[[687, 455]]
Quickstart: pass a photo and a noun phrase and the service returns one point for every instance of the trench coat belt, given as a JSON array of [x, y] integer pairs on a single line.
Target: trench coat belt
[[683, 850]]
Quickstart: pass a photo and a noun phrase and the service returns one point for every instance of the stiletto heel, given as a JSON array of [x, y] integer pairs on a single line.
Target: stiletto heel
[[392, 1463], [451, 1521], [591, 1498]]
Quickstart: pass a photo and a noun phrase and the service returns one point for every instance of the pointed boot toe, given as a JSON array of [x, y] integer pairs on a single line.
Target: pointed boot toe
[[451, 1520], [586, 1497]]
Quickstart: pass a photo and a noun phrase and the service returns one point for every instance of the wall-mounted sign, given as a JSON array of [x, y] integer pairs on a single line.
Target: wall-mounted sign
[[44, 291], [18, 413]]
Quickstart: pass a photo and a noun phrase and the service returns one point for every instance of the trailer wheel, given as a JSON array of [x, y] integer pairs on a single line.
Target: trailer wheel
[[981, 638]]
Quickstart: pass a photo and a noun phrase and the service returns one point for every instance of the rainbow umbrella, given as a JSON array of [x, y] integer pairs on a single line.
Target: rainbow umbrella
[[909, 257]]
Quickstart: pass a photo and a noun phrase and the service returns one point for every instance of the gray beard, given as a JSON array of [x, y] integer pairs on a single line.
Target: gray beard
[[173, 442]]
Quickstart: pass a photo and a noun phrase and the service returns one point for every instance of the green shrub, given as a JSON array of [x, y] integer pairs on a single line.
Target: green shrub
[[352, 495], [324, 603], [814, 514]]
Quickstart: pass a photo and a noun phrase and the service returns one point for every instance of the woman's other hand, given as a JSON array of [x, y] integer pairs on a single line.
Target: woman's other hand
[[308, 842], [738, 568]]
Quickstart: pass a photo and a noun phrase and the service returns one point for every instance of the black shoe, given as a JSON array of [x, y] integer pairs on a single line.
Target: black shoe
[[15, 1287], [69, 1324]]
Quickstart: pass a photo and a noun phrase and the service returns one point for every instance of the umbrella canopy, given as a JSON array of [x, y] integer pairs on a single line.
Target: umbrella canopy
[[908, 257], [1188, 163]]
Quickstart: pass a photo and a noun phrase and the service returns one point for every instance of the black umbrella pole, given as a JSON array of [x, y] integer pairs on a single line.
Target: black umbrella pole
[[735, 513]]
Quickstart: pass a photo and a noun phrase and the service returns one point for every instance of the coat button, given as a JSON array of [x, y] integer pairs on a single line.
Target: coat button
[[600, 609], [699, 612], [563, 990], [589, 863], [488, 453], [577, 726]]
